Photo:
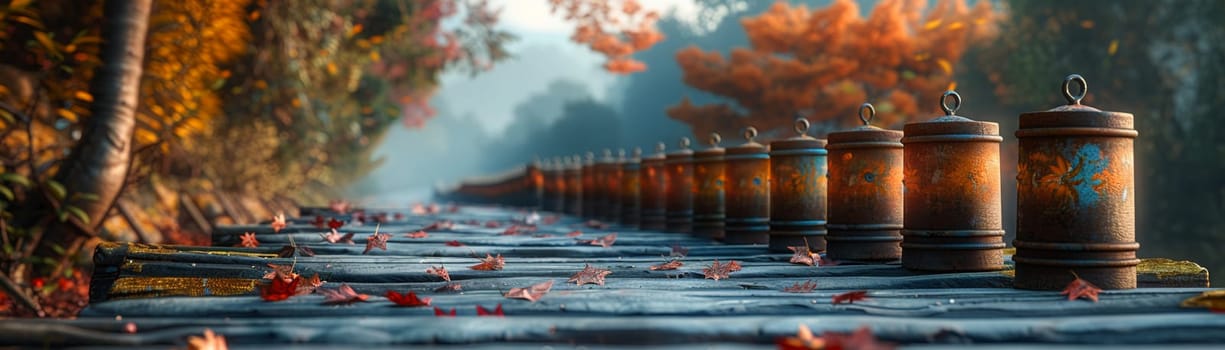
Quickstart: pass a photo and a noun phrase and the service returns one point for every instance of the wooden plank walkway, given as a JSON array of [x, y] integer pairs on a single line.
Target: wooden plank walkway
[[170, 293]]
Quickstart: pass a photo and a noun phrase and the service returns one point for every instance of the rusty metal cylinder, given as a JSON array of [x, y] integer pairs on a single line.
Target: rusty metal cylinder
[[708, 171], [612, 188], [865, 193], [679, 164], [653, 179], [604, 171], [574, 185], [591, 192], [953, 219], [554, 185], [797, 191], [631, 200], [1076, 196], [747, 192]]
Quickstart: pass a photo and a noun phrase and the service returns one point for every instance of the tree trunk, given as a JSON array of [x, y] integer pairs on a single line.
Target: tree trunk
[[99, 162]]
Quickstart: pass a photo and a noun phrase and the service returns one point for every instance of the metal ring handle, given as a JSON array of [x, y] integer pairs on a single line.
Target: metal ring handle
[[750, 133], [944, 99], [715, 139], [1067, 88], [867, 118], [802, 125]]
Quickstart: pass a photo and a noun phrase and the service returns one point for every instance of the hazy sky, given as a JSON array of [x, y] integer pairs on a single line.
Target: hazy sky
[[543, 53]]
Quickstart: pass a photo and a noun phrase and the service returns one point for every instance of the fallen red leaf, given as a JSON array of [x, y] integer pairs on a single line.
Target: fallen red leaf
[[492, 224], [671, 265], [530, 293], [591, 275], [1081, 289], [342, 295], [335, 224], [319, 223], [574, 233], [604, 241], [861, 339], [679, 251], [497, 312], [282, 272], [490, 263], [717, 271], [803, 256], [439, 225], [398, 216], [850, 297], [596, 224], [376, 240], [278, 222], [439, 313], [409, 299], [449, 288], [440, 271], [308, 285], [288, 251], [336, 237], [248, 240], [806, 287], [549, 220], [418, 234], [210, 341], [280, 289], [454, 243]]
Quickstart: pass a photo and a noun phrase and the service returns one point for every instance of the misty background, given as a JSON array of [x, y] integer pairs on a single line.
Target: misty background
[[1165, 65]]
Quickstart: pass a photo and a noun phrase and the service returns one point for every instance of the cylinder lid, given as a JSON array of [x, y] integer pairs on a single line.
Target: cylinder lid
[[607, 157], [659, 154], [713, 151], [866, 133], [800, 141], [683, 152], [749, 146], [950, 123], [1074, 114]]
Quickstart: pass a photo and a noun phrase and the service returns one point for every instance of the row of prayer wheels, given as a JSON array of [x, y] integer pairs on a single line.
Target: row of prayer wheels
[[928, 195]]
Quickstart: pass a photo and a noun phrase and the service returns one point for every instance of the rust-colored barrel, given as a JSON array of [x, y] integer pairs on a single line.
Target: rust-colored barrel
[[653, 179], [865, 192], [631, 200], [554, 185], [612, 188], [603, 172], [1076, 196], [591, 192], [574, 185], [952, 219], [679, 164], [535, 185], [747, 192], [708, 190], [798, 178]]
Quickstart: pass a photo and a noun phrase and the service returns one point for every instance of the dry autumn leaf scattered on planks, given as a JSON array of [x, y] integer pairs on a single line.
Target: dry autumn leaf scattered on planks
[[418, 234], [717, 271], [288, 251], [590, 274], [1213, 300], [409, 299], [861, 339], [1079, 288], [803, 256], [335, 237], [449, 288], [604, 241], [492, 224], [342, 295], [849, 297], [806, 287], [440, 313], [278, 222], [496, 312], [335, 224], [530, 293], [439, 226], [248, 240], [209, 341], [490, 263], [574, 233], [670, 265], [440, 271], [376, 240], [454, 243]]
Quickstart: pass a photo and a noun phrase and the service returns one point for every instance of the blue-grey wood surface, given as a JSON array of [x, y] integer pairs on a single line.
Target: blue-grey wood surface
[[635, 307]]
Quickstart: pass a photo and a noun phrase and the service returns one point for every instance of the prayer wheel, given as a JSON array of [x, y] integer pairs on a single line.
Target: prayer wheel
[[603, 171], [798, 179], [1076, 196], [865, 192], [591, 193], [612, 188], [574, 185], [679, 165], [631, 200], [747, 192], [708, 190], [653, 179], [952, 219]]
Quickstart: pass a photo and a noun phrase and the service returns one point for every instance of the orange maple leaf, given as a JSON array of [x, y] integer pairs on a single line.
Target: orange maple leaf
[[1081, 289]]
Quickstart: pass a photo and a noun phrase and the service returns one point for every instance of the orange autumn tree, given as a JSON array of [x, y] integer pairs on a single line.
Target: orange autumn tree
[[613, 32], [823, 63]]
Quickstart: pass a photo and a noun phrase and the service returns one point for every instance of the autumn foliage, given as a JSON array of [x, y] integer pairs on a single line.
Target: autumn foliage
[[823, 63], [614, 31]]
